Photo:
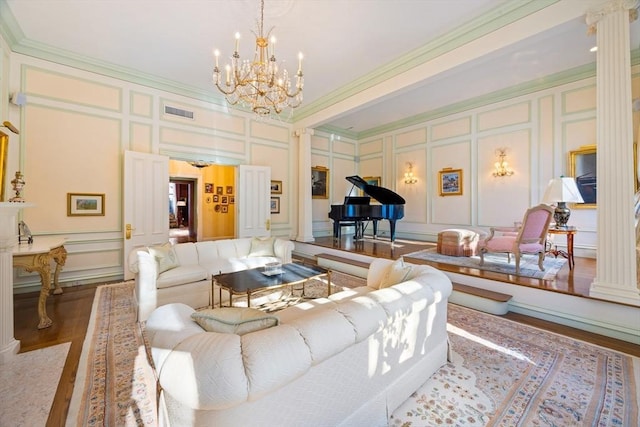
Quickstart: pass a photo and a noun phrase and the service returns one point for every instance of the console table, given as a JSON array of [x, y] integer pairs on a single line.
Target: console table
[[569, 232], [37, 257]]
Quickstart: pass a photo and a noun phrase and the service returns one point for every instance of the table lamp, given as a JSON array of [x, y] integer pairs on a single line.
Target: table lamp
[[560, 191]]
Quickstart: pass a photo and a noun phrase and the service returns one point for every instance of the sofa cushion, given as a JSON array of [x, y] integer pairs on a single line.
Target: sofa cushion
[[396, 272], [262, 246], [181, 276], [234, 320], [165, 256]]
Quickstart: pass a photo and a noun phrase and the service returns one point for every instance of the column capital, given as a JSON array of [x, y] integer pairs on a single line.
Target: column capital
[[597, 13], [302, 131]]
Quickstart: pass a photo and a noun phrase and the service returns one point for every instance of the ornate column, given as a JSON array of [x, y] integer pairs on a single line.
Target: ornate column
[[8, 239], [616, 278], [305, 206]]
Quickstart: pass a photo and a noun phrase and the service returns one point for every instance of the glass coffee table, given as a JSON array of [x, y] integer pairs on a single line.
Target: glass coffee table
[[248, 282]]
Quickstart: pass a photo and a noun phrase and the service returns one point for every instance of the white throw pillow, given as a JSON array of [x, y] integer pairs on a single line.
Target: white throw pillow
[[396, 272], [165, 256], [233, 320], [262, 246]]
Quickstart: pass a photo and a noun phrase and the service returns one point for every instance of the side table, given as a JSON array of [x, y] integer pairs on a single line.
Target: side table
[[568, 231]]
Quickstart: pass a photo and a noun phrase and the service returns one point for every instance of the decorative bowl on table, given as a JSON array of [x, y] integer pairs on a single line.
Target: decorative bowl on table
[[272, 268]]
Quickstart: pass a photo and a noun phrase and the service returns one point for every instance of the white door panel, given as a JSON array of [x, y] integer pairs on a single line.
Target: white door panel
[[146, 202], [254, 197]]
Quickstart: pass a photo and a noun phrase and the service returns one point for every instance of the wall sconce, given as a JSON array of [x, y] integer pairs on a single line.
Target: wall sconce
[[408, 175], [502, 167]]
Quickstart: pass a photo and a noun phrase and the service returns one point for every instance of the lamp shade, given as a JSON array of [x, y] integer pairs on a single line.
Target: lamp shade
[[563, 189]]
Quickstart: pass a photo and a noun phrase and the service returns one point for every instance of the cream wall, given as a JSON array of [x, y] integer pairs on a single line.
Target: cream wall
[[537, 130], [75, 129]]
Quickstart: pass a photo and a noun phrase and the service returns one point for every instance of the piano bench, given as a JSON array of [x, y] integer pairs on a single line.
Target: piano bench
[[458, 242]]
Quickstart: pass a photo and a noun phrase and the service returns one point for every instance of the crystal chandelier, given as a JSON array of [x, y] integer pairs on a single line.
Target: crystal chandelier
[[259, 84]]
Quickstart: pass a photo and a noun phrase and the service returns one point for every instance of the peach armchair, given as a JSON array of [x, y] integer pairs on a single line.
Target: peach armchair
[[529, 238]]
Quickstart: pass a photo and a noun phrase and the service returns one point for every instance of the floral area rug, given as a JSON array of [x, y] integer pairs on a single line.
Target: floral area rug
[[507, 374], [496, 262], [115, 384], [502, 373]]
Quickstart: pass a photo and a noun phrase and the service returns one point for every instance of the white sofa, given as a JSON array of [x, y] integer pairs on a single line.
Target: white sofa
[[190, 281], [350, 359]]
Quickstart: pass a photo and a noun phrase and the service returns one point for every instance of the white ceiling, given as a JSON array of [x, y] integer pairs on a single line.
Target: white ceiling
[[342, 40]]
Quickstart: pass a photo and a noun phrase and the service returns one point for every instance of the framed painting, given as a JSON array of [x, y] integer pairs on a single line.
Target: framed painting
[[275, 205], [371, 180], [319, 182], [276, 187], [85, 204], [208, 187], [450, 182], [582, 167]]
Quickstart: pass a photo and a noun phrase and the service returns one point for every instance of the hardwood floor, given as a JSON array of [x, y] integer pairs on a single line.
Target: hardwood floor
[[71, 311]]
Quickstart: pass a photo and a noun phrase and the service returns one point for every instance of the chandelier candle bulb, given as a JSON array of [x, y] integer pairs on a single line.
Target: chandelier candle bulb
[[237, 42], [216, 54]]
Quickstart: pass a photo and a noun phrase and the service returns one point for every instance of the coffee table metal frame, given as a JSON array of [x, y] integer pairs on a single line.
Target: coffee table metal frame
[[248, 282]]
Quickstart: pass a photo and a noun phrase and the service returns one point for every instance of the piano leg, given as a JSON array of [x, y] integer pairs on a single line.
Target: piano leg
[[375, 228], [336, 230], [392, 229]]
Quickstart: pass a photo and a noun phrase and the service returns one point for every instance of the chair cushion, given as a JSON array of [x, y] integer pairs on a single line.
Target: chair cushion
[[165, 257], [262, 246], [233, 320]]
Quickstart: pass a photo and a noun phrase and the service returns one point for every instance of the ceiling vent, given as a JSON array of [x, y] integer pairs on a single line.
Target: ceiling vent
[[178, 112]]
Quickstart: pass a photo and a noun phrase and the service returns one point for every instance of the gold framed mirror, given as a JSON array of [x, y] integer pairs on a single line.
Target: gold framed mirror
[[582, 166]]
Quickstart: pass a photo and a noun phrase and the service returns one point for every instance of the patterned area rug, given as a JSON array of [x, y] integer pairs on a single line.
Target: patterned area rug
[[502, 373], [497, 262], [507, 374], [115, 385]]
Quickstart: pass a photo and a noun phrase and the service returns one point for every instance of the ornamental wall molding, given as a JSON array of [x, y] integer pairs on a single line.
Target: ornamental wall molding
[[596, 14]]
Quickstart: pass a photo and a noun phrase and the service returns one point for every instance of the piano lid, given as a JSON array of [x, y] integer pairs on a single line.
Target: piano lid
[[381, 194]]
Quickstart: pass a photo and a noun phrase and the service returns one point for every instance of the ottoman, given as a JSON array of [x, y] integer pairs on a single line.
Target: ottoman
[[457, 242]]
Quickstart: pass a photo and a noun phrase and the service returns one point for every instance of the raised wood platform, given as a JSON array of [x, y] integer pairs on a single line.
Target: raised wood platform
[[480, 299], [344, 265]]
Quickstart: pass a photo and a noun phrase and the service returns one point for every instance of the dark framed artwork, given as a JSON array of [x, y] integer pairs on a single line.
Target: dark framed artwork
[[229, 189], [219, 190], [450, 182], [225, 208], [216, 198], [275, 205], [582, 167], [208, 187], [224, 200], [319, 182]]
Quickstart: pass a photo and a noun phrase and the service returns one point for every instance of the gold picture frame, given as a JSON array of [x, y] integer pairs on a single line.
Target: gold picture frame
[[582, 167], [319, 182], [85, 204], [276, 187], [450, 182]]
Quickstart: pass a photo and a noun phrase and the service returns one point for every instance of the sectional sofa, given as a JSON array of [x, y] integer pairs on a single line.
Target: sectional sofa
[[350, 359], [182, 272]]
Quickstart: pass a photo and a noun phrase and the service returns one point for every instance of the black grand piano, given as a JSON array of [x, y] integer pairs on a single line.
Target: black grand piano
[[358, 210]]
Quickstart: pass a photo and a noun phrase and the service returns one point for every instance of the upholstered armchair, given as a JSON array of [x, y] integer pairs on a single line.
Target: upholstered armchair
[[529, 238]]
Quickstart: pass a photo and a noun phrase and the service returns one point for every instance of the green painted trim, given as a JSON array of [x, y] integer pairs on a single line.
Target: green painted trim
[[446, 122], [493, 20], [564, 100], [9, 28], [337, 131], [149, 143], [527, 121], [558, 79], [24, 68], [133, 93]]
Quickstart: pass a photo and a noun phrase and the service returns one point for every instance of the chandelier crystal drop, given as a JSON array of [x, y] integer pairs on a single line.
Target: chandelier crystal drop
[[259, 84]]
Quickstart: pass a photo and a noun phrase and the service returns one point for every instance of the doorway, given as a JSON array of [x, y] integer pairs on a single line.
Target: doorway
[[182, 213]]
